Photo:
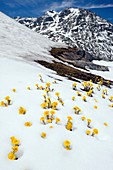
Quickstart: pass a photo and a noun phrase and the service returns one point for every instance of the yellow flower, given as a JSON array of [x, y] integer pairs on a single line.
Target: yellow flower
[[78, 93], [95, 107], [67, 144], [14, 90], [44, 105], [103, 96], [74, 84], [2, 103], [73, 98], [49, 121], [57, 94], [14, 140], [95, 132], [105, 124], [89, 121], [84, 98], [36, 85], [52, 112], [89, 93], [57, 120], [15, 149], [7, 98], [83, 118], [48, 84], [69, 118], [41, 88], [88, 132], [46, 113], [111, 98], [43, 135], [69, 126], [50, 127], [54, 105], [22, 110], [28, 88], [43, 120], [28, 124], [11, 156], [76, 109]]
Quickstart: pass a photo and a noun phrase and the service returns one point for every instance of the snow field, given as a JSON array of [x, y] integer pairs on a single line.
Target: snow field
[[35, 152]]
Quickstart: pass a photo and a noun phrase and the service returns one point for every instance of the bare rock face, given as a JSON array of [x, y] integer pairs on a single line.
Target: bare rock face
[[78, 28], [78, 58]]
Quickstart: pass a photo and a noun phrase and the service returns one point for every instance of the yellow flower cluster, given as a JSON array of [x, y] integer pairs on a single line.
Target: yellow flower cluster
[[88, 85], [15, 147], [48, 116], [93, 133]]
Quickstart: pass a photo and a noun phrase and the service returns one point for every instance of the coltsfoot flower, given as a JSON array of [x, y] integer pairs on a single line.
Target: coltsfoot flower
[[83, 118], [15, 149], [57, 120], [89, 122], [105, 124], [43, 135], [12, 156], [15, 141], [95, 132], [67, 145], [88, 132], [73, 98], [95, 107], [28, 88], [8, 99], [13, 90], [42, 119], [22, 110], [28, 124]]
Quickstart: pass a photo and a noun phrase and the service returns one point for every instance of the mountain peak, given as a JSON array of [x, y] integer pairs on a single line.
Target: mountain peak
[[78, 28]]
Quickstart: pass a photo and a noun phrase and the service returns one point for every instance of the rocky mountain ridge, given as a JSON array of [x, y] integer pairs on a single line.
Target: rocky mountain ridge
[[77, 28]]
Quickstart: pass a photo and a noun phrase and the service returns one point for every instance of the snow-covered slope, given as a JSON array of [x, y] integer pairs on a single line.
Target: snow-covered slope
[[18, 41], [76, 27], [21, 86], [34, 152]]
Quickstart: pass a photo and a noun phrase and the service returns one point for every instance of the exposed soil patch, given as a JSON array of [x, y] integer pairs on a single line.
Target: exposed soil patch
[[73, 73]]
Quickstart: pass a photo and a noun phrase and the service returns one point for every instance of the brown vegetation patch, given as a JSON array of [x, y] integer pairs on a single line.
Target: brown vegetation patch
[[72, 73]]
